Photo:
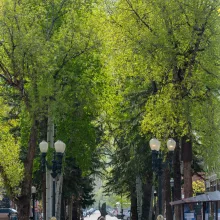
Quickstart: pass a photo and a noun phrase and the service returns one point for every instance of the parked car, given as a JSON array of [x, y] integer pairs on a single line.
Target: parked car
[[127, 214], [8, 213], [90, 211]]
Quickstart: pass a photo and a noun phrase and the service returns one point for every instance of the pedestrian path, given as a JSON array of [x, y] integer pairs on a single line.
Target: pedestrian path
[[96, 214]]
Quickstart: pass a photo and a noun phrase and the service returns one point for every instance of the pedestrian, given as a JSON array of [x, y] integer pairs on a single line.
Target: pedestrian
[[160, 217]]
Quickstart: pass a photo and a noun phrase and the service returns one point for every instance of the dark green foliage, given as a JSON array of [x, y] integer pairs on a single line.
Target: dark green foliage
[[87, 195], [76, 185]]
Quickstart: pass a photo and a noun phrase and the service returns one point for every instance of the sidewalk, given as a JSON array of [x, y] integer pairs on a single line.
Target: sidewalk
[[96, 214]]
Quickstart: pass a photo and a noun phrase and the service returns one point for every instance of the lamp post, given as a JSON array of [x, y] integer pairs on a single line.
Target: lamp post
[[56, 164], [33, 192], [155, 202], [172, 192], [172, 188], [157, 164]]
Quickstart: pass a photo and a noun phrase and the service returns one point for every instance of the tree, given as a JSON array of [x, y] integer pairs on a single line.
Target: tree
[[38, 40], [167, 46], [11, 167]]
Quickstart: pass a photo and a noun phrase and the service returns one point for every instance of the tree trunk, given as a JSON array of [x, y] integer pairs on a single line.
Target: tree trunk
[[134, 214], [49, 179], [177, 179], [187, 171], [188, 192], [70, 209], [147, 195], [63, 209], [79, 209], [75, 211], [151, 211], [23, 201], [44, 193], [167, 194], [139, 192]]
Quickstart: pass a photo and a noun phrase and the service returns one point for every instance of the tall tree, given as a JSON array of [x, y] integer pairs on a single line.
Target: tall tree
[[167, 46], [38, 40]]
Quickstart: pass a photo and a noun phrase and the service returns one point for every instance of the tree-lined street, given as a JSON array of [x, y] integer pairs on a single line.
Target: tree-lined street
[[108, 77]]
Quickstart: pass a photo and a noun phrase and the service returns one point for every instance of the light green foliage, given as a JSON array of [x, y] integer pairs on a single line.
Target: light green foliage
[[198, 187], [169, 49], [128, 68], [11, 168], [41, 38], [161, 60], [49, 54]]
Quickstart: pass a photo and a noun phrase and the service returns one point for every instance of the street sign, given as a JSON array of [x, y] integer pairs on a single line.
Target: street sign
[[189, 216]]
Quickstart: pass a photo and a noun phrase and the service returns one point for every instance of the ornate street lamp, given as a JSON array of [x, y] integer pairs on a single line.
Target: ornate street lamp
[[157, 164], [33, 192], [56, 164], [172, 192]]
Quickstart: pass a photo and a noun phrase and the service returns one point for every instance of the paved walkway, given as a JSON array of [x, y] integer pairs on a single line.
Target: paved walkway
[[96, 214]]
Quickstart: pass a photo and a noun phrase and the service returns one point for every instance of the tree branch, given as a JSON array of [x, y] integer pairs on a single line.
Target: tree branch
[[138, 16]]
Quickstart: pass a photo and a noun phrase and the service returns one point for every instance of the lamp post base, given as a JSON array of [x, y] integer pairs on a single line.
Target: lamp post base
[[54, 199]]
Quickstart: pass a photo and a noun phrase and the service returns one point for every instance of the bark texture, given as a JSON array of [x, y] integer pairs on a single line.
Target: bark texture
[[167, 194], [188, 192], [70, 209], [76, 209], [187, 160], [147, 194], [44, 193], [177, 179], [134, 214], [23, 201]]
